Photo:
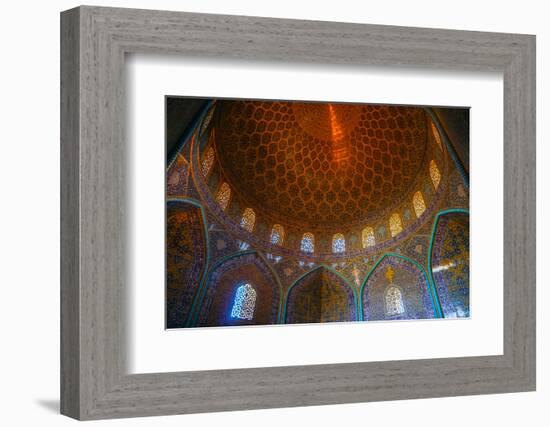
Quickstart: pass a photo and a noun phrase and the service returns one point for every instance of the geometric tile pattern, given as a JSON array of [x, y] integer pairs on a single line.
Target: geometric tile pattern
[[320, 164], [451, 264], [321, 296]]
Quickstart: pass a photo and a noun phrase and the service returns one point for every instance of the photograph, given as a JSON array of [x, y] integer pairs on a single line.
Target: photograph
[[285, 212], [275, 214]]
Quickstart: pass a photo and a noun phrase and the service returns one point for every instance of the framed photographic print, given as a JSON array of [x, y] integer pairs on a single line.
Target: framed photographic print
[[319, 212], [261, 213]]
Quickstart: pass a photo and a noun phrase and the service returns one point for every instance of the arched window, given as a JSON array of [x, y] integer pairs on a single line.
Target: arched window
[[207, 119], [418, 203], [223, 195], [338, 243], [435, 174], [367, 236], [308, 243], [248, 219], [437, 137], [396, 226], [207, 161], [244, 302], [394, 301], [277, 234]]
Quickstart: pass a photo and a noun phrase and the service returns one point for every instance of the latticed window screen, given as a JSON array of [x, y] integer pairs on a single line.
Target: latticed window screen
[[396, 226], [248, 219], [419, 204], [368, 237], [277, 234], [207, 161], [223, 195], [435, 174], [437, 137], [308, 243], [338, 243], [207, 119], [244, 303], [394, 301]]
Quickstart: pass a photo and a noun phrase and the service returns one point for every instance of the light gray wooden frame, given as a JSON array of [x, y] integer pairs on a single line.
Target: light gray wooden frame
[[94, 41]]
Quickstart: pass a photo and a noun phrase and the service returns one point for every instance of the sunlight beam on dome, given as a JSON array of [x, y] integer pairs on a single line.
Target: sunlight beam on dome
[[340, 152]]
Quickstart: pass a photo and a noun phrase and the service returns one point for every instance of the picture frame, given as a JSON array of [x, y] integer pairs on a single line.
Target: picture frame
[[94, 268]]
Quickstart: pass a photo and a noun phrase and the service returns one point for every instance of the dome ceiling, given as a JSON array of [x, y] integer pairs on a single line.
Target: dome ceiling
[[322, 165]]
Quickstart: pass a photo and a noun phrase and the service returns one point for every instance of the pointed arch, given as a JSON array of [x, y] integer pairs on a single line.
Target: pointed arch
[[450, 259], [425, 301], [186, 231], [330, 303], [212, 306]]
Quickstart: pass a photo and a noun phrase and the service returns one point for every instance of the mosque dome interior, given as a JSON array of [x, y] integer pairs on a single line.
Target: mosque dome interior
[[303, 212]]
